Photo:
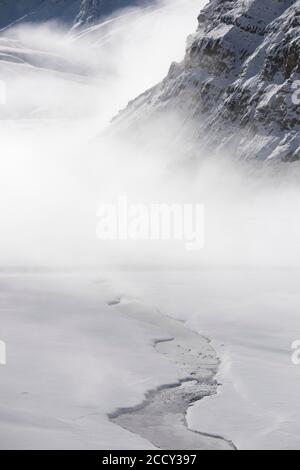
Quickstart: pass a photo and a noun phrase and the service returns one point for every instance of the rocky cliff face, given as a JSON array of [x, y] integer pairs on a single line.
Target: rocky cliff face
[[238, 84]]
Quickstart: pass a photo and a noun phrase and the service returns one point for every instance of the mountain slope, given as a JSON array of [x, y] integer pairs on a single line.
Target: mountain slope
[[236, 90], [92, 10], [79, 12], [13, 11]]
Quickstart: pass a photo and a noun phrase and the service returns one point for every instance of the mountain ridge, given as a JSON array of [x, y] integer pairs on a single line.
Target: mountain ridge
[[71, 12], [236, 85]]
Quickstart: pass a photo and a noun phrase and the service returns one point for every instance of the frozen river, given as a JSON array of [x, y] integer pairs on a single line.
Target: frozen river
[[121, 360]]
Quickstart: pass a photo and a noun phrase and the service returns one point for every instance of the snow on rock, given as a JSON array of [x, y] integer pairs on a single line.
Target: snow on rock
[[93, 10], [237, 84], [16, 12]]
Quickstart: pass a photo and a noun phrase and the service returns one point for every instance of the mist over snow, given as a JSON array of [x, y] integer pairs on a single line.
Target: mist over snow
[[82, 344], [60, 159]]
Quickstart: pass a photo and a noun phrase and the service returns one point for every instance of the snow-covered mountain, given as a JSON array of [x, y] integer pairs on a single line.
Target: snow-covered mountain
[[237, 88], [14, 11], [77, 12], [93, 10]]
